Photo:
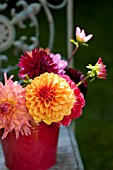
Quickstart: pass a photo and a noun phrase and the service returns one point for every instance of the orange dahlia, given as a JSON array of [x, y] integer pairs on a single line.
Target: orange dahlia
[[13, 111], [49, 98]]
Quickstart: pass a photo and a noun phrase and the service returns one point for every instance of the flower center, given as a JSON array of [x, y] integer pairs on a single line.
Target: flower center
[[45, 93], [5, 107]]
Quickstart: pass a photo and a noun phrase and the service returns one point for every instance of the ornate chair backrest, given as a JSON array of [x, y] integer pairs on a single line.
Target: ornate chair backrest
[[20, 28]]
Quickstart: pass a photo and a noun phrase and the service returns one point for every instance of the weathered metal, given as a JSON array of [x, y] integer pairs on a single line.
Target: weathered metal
[[14, 23]]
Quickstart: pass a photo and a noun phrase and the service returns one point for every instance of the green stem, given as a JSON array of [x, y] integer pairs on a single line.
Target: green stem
[[73, 53], [84, 79]]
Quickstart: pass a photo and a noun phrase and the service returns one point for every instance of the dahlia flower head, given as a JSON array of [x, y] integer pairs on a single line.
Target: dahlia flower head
[[81, 36], [38, 61], [13, 112]]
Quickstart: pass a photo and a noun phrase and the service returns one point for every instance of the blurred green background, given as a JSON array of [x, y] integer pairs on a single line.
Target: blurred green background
[[94, 129]]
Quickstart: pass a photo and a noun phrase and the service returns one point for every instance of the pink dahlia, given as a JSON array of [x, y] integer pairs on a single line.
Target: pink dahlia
[[81, 36], [61, 64], [37, 62], [98, 70], [76, 111], [13, 111], [101, 69]]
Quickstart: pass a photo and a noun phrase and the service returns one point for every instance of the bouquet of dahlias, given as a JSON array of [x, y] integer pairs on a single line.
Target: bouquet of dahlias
[[51, 92]]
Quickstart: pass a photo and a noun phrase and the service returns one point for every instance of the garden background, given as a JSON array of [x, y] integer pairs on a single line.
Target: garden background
[[94, 129]]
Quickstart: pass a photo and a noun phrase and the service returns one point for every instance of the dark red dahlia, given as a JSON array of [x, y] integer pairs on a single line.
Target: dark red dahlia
[[77, 76], [1, 132], [35, 63]]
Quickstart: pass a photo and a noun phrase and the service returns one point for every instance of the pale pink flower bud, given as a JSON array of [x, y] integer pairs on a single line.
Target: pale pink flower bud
[[81, 36]]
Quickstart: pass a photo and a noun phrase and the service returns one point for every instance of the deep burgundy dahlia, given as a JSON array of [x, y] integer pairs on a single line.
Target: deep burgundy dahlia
[[77, 76], [35, 63]]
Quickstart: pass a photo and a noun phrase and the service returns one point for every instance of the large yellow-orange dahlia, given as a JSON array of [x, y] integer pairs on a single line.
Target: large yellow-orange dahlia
[[49, 98]]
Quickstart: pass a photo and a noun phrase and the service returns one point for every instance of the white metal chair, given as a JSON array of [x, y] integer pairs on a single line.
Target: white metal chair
[[23, 16]]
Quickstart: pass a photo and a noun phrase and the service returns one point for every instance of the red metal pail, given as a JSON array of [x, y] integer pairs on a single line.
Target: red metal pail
[[34, 152]]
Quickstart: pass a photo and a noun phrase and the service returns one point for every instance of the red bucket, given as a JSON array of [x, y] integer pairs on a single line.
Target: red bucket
[[35, 152]]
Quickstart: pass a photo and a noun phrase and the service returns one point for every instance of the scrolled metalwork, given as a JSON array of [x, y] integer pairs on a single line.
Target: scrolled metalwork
[[9, 28], [14, 25], [56, 4], [7, 33]]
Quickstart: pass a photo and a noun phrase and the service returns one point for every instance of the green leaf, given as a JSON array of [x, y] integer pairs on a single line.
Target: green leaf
[[74, 42]]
